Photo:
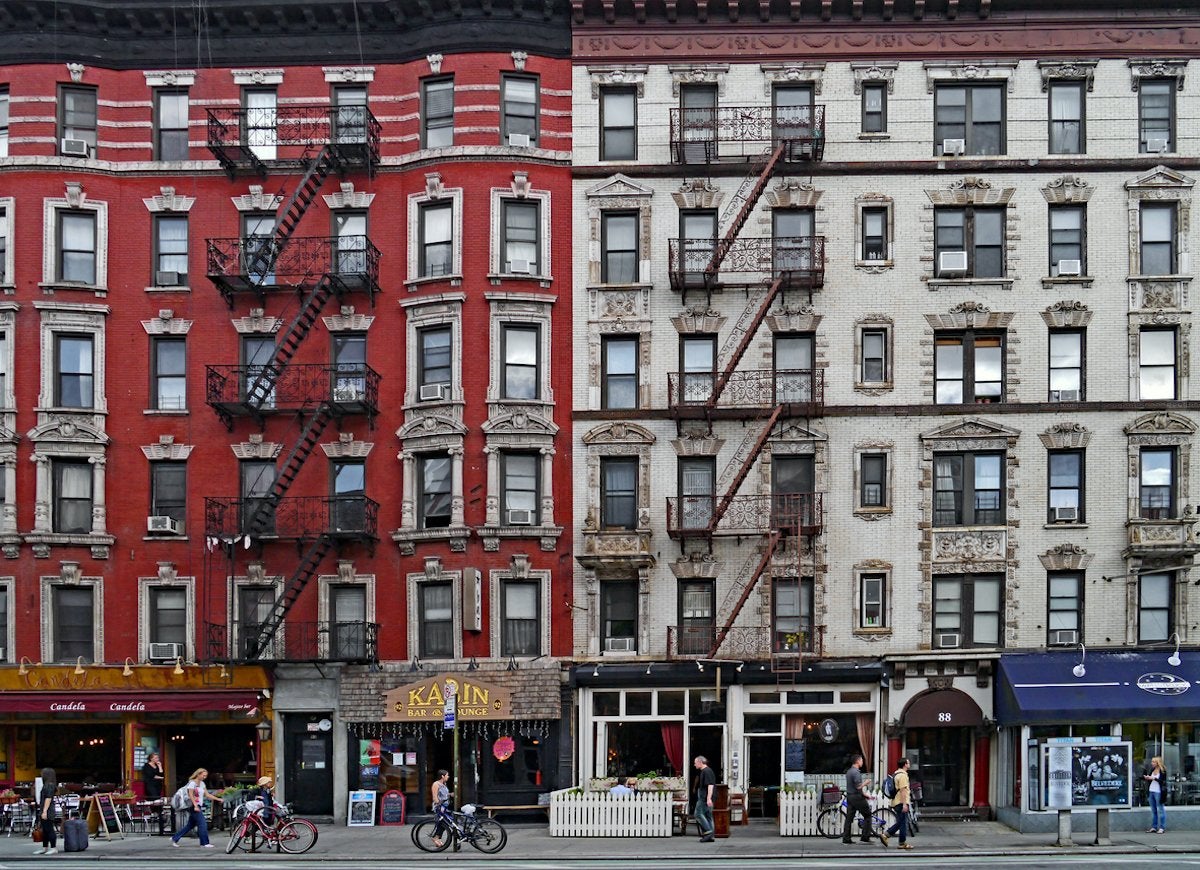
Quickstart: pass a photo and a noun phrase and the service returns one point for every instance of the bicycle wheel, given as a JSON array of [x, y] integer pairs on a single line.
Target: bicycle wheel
[[831, 822], [487, 835], [422, 837], [295, 838], [235, 838]]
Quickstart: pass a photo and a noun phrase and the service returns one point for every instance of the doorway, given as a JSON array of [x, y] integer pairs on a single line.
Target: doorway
[[943, 764]]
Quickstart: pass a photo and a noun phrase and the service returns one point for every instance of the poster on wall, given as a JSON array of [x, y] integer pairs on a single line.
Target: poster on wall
[[361, 811], [1087, 772]]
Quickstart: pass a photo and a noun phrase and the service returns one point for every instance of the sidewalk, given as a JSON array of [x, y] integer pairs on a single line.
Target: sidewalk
[[532, 841]]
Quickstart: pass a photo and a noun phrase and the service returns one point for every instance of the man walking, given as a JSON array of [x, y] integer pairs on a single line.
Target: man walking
[[856, 802], [706, 781], [900, 803]]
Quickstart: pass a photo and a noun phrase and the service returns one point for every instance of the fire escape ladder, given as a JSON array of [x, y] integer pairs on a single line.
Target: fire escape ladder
[[742, 464], [748, 586], [304, 572], [742, 204], [264, 379], [740, 337]]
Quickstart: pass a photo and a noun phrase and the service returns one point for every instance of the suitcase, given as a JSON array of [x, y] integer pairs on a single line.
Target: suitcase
[[75, 835]]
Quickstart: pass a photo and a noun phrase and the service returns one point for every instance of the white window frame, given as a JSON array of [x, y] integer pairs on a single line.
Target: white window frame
[[52, 210]]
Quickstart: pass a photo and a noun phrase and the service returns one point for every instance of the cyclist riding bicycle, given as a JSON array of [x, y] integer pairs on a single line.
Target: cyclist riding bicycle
[[439, 794]]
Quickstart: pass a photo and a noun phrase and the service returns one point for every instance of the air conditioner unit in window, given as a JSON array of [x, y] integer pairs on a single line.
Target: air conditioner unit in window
[[433, 392], [164, 525], [518, 140], [520, 518], [519, 267], [165, 652], [952, 262], [1069, 267], [1064, 637], [1066, 395], [74, 148], [167, 279], [620, 644], [953, 147], [1066, 514], [948, 641], [1157, 144]]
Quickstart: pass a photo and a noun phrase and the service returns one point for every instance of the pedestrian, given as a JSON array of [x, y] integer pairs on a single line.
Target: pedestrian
[[706, 782], [153, 777], [856, 802], [622, 789], [900, 803], [197, 794], [439, 800], [48, 812], [1158, 813]]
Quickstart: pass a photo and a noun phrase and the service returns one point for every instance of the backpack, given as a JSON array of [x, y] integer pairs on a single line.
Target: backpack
[[889, 786], [181, 800]]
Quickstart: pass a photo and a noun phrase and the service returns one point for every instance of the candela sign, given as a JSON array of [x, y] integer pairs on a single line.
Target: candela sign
[[425, 701]]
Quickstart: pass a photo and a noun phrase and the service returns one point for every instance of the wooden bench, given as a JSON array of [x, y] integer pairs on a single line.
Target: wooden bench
[[504, 808]]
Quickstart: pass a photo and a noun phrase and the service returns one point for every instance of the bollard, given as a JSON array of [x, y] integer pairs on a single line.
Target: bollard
[[1064, 829], [1103, 837]]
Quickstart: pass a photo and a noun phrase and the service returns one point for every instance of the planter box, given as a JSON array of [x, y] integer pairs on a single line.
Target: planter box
[[598, 814]]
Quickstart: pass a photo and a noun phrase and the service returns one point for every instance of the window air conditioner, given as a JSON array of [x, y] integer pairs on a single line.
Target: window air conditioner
[[948, 641], [1157, 144], [953, 147], [1066, 514], [620, 644], [518, 140], [165, 652], [519, 267], [1070, 267], [74, 148], [164, 525], [1064, 637], [952, 261], [520, 518], [432, 392], [166, 279], [1066, 395]]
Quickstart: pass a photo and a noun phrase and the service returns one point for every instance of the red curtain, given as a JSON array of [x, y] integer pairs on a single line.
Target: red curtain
[[866, 737], [672, 737]]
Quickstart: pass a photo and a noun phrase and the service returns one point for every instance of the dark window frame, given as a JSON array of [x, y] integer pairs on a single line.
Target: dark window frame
[[968, 340], [607, 376], [606, 150], [165, 145], [965, 511], [967, 611], [1080, 89], [441, 120]]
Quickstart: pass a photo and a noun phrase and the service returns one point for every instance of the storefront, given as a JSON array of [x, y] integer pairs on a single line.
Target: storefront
[[1146, 700]]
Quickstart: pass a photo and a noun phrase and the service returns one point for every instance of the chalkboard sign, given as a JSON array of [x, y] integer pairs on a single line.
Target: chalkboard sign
[[391, 808]]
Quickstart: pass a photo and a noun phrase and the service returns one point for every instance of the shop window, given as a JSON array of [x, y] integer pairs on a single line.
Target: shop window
[[1156, 616], [1066, 486], [968, 611], [73, 612], [1064, 619], [792, 615], [437, 620], [521, 608], [1156, 481], [434, 489], [618, 493], [72, 497], [618, 616], [968, 489]]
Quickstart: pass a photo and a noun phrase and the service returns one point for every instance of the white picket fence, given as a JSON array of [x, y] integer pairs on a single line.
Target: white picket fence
[[798, 812], [600, 814]]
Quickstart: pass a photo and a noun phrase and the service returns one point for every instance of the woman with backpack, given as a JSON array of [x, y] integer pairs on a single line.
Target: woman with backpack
[[195, 794]]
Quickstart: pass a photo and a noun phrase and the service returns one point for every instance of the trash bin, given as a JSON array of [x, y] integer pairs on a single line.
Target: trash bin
[[720, 810]]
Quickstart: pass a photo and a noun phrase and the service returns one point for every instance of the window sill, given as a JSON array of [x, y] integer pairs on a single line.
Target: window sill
[[51, 287], [976, 283], [1082, 525], [874, 137], [163, 412], [873, 514], [415, 284], [408, 538], [1083, 281], [548, 535], [169, 288]]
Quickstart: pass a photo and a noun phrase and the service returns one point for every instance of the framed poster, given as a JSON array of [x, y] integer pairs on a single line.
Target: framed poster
[[361, 812]]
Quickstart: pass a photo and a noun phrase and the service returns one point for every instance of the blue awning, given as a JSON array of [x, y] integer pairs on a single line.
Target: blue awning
[[1042, 689]]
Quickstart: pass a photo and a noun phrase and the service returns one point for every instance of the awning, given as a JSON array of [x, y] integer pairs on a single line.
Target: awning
[[1042, 689], [944, 708], [126, 702]]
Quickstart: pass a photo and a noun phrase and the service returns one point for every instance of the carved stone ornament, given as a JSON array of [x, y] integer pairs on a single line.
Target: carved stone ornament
[[1157, 69], [76, 70], [611, 75], [1067, 70], [791, 74], [1067, 188], [435, 63], [878, 71]]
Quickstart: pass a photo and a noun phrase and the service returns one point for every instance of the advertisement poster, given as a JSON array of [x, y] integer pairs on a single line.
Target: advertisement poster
[[1098, 773]]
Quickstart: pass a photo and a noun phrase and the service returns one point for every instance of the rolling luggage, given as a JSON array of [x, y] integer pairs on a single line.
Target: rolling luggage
[[75, 835]]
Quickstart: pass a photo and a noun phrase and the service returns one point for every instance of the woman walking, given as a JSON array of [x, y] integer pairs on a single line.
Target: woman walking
[[197, 795], [47, 812], [1157, 778]]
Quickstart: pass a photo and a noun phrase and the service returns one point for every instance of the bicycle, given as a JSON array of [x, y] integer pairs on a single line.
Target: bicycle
[[831, 819], [486, 835], [287, 834]]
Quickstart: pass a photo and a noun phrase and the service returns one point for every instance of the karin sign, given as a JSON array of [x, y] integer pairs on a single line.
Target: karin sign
[[425, 701]]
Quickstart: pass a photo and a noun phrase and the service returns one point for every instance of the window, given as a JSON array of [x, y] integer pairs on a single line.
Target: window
[[1156, 363], [873, 365], [168, 615], [1158, 239], [521, 362], [619, 247], [519, 496], [1156, 116], [77, 247], [1064, 617], [170, 251], [873, 480], [437, 113], [169, 375], [521, 242], [437, 240], [434, 363], [968, 489], [967, 611], [347, 621], [254, 606], [519, 632], [168, 490], [1156, 481], [792, 614], [73, 371], [260, 127], [618, 493], [74, 622], [698, 362], [1068, 253], [871, 589], [1066, 117], [695, 617], [3, 122], [976, 232], [619, 378], [519, 97], [972, 113], [1066, 486], [874, 107], [170, 125], [437, 620], [969, 368], [618, 615], [77, 120], [72, 497], [257, 481], [874, 234], [434, 492], [1155, 613], [618, 124], [1066, 365], [348, 493], [697, 476]]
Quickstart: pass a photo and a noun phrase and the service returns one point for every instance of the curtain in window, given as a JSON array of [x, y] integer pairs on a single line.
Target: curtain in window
[[866, 736]]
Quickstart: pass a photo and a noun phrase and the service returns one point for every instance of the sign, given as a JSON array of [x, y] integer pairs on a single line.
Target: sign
[[391, 808], [361, 812], [425, 701], [1088, 774]]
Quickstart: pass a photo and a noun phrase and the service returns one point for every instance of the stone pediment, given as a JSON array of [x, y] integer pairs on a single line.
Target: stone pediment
[[61, 429], [1161, 422], [618, 432], [619, 185], [430, 426], [972, 427], [1161, 176], [520, 423]]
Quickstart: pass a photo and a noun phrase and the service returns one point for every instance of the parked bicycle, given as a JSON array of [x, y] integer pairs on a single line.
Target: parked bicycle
[[450, 828], [285, 832], [831, 819]]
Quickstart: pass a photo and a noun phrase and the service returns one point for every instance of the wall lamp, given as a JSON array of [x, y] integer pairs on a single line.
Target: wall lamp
[[80, 670], [1173, 659], [127, 671], [1079, 670]]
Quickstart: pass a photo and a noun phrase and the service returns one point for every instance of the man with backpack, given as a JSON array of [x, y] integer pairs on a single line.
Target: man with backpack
[[896, 787]]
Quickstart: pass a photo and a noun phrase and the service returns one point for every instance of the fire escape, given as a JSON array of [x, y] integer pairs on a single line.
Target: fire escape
[[769, 139], [311, 142]]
